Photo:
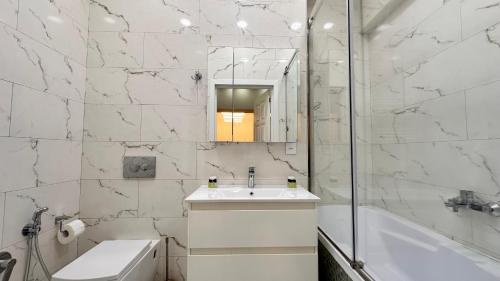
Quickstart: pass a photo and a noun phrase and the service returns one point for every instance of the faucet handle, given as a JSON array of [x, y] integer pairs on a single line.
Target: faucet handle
[[493, 208]]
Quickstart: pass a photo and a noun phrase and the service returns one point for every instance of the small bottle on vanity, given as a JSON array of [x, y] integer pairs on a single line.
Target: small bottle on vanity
[[212, 182], [292, 182]]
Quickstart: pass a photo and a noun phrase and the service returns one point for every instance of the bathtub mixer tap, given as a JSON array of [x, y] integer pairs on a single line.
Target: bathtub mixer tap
[[468, 200]]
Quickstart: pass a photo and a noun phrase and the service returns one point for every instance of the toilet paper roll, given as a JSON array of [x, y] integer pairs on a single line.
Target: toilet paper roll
[[70, 231]]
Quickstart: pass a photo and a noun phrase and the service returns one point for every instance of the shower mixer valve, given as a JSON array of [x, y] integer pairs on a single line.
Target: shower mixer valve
[[468, 200]]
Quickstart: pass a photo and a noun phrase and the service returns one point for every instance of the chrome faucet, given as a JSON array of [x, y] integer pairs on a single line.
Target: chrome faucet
[[251, 177], [468, 200]]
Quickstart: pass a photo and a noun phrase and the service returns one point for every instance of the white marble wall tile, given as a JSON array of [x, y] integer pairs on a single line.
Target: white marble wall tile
[[482, 111], [293, 42], [231, 161], [38, 162], [141, 86], [77, 9], [390, 160], [263, 18], [109, 199], [436, 33], [115, 49], [163, 122], [34, 65], [9, 11], [177, 268], [48, 24], [5, 107], [65, 120], [61, 199], [229, 40], [438, 163], [163, 50], [112, 122], [136, 228], [144, 16], [165, 198], [50, 156], [176, 230], [478, 15], [461, 67], [388, 95], [23, 153], [103, 160], [438, 119]]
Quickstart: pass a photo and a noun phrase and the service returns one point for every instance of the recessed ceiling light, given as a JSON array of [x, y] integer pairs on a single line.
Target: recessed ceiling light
[[328, 25], [296, 25], [242, 24], [185, 22], [109, 20]]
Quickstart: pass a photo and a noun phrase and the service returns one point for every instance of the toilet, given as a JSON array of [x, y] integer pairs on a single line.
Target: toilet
[[115, 260]]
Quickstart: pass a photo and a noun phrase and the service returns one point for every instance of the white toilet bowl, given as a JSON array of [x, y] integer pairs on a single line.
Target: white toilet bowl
[[117, 260]]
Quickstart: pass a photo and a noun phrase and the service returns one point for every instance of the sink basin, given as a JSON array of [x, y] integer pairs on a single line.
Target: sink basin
[[265, 193]]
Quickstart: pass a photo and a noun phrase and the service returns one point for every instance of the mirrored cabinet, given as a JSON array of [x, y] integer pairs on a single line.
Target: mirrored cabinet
[[253, 94]]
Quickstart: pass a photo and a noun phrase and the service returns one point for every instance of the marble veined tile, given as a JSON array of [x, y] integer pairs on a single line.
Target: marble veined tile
[[165, 198], [225, 161], [482, 111], [32, 64], [164, 122], [8, 12], [462, 66], [136, 228], [163, 50], [48, 24], [5, 107], [65, 120], [103, 160], [141, 86], [109, 199], [115, 49], [144, 16], [62, 199], [436, 33], [77, 9], [105, 122], [438, 164], [478, 15], [261, 17], [38, 162]]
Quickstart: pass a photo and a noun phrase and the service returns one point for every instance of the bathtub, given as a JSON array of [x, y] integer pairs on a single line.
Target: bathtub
[[395, 249]]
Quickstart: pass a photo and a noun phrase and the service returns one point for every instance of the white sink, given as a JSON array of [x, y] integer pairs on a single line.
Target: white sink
[[267, 193]]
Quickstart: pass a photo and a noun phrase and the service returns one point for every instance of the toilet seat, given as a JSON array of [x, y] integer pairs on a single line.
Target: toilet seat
[[110, 260]]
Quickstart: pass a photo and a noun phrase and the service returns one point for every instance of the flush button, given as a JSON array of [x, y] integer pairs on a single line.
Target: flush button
[[139, 167]]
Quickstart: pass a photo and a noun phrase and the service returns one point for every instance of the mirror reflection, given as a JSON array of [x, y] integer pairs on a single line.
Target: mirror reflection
[[253, 94]]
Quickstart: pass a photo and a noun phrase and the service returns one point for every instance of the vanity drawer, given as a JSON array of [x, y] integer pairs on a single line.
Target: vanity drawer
[[253, 267], [252, 228]]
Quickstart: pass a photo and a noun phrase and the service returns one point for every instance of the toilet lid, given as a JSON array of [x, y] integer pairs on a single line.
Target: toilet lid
[[109, 260]]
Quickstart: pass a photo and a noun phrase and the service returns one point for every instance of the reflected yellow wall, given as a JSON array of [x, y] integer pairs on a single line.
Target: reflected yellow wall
[[243, 132]]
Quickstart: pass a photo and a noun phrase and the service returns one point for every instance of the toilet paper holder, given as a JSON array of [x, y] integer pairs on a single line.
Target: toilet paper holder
[[60, 219]]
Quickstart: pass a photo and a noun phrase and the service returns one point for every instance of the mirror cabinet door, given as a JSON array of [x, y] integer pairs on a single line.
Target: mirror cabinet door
[[253, 94]]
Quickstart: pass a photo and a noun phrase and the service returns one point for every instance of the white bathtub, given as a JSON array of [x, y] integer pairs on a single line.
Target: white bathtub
[[395, 249]]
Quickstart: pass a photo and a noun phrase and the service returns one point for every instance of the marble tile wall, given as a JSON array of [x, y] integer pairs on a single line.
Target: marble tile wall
[[140, 100], [42, 87], [435, 85]]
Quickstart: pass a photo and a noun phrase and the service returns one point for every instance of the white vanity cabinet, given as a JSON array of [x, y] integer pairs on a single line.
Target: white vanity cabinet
[[270, 235]]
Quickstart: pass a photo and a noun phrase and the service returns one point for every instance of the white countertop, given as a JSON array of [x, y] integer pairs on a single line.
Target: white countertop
[[261, 193]]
